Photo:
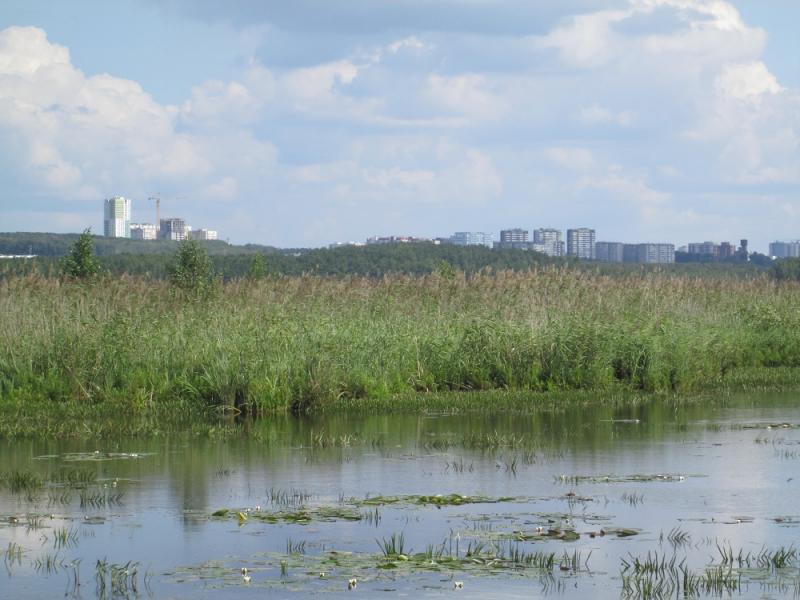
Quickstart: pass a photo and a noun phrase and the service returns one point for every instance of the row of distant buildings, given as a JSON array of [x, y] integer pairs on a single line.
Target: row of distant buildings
[[117, 224], [580, 243], [785, 249]]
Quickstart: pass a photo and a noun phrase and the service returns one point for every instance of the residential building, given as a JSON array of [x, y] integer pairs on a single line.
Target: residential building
[[581, 243], [173, 229], [709, 248], [726, 250], [117, 217], [399, 239], [472, 238], [649, 253], [609, 251], [203, 234], [785, 249], [548, 241], [144, 231], [510, 236]]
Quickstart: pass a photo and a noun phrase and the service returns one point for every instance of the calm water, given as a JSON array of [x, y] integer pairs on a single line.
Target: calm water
[[684, 480]]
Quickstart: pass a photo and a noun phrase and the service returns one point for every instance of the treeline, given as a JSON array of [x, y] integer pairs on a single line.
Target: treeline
[[59, 244], [368, 261]]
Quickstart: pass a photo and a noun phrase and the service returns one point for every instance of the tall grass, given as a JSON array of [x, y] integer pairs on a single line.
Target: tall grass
[[297, 343]]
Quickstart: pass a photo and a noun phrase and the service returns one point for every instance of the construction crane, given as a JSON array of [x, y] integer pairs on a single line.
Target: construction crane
[[158, 213]]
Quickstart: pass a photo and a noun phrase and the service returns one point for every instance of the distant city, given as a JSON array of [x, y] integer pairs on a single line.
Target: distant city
[[117, 224], [580, 242]]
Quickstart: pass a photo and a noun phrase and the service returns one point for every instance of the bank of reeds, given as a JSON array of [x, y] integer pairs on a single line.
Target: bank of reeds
[[299, 343]]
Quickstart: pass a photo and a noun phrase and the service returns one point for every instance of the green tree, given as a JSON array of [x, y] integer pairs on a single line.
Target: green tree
[[257, 268], [81, 262], [192, 269], [786, 269]]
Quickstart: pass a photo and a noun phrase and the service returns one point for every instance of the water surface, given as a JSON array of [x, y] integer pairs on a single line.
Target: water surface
[[688, 482]]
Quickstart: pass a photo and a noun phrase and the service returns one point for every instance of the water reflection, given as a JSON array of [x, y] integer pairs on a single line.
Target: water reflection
[[731, 481]]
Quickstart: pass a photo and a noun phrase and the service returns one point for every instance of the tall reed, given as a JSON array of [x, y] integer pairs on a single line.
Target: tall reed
[[294, 343]]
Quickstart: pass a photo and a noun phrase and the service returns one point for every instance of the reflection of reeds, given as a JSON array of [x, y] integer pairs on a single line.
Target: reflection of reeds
[[114, 579], [65, 538]]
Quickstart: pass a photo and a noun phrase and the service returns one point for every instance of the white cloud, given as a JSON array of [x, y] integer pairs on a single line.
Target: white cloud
[[596, 114], [747, 81], [466, 94], [574, 159], [86, 137]]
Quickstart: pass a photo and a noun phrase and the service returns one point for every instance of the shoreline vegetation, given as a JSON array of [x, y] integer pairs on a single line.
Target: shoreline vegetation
[[81, 355]]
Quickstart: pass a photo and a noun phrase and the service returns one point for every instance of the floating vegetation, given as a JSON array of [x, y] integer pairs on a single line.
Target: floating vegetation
[[301, 516], [437, 500], [767, 426], [664, 477], [103, 456]]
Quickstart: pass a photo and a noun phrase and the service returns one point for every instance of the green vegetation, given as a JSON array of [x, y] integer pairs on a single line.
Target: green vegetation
[[130, 349], [787, 269], [153, 259], [192, 270], [81, 263]]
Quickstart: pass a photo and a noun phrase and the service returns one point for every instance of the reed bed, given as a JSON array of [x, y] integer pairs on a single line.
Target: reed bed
[[303, 343]]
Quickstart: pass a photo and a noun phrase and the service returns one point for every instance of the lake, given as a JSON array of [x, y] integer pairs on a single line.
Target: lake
[[642, 500]]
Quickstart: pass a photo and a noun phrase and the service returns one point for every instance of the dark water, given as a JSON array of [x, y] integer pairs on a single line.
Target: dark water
[[686, 481]]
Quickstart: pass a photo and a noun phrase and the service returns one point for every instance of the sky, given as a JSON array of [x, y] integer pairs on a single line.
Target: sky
[[303, 123]]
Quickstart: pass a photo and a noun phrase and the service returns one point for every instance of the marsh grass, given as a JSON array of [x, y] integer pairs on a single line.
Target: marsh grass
[[131, 350]]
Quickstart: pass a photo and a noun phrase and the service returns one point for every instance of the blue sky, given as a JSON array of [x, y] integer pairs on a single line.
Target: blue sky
[[308, 122]]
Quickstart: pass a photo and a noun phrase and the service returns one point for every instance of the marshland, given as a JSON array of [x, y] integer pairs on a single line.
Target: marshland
[[305, 344], [493, 434]]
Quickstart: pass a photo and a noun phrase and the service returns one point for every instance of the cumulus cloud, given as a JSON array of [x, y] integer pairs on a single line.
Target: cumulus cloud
[[87, 137], [491, 110]]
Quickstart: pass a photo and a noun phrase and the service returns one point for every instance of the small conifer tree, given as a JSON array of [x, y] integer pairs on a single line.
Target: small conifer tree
[[81, 263], [192, 269]]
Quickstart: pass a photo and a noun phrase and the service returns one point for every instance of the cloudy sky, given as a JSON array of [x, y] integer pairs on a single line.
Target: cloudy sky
[[313, 121]]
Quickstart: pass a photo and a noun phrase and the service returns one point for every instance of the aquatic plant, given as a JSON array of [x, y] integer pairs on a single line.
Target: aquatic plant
[[309, 343], [393, 547]]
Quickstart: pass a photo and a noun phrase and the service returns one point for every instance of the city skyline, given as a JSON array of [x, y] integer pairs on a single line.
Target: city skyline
[[303, 124]]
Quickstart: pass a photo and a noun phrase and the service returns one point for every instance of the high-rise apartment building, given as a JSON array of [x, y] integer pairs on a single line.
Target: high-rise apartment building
[[202, 234], [472, 238], [117, 217], [609, 251], [580, 243], [785, 249], [548, 241], [709, 248], [144, 231], [513, 236], [173, 229], [649, 253]]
